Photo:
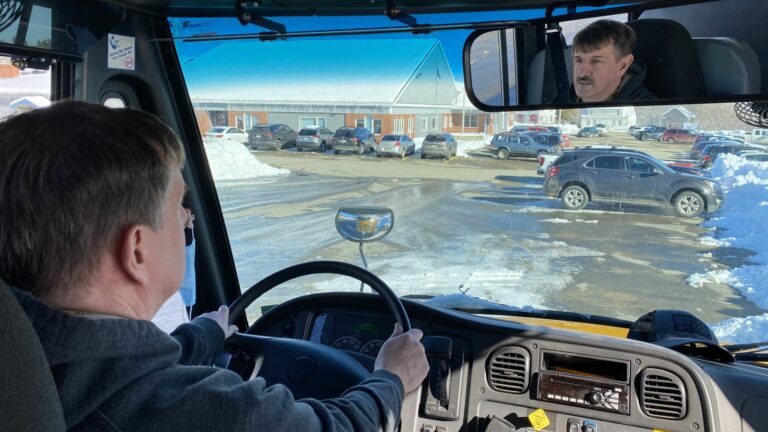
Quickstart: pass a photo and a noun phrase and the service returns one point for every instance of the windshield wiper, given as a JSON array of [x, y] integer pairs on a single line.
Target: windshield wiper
[[752, 357], [736, 348]]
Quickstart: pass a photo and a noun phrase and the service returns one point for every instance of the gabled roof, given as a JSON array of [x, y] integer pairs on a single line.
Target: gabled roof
[[681, 110], [308, 70]]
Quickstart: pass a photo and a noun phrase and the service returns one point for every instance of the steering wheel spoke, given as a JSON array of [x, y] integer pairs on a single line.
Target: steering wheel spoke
[[309, 369]]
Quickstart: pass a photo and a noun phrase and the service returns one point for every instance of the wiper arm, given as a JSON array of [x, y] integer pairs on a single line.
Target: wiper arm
[[752, 357], [745, 347]]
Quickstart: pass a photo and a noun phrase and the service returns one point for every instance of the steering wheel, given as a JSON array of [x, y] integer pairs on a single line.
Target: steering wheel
[[307, 368]]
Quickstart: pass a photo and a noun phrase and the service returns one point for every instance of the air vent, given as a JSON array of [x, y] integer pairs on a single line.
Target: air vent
[[508, 369], [662, 394]]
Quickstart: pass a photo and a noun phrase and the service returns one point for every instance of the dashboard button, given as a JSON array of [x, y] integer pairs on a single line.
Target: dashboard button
[[426, 428], [574, 425]]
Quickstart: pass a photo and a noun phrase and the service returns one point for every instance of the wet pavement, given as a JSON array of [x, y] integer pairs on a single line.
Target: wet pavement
[[498, 238]]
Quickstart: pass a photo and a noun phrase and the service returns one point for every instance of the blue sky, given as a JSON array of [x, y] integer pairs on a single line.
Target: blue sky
[[452, 40]]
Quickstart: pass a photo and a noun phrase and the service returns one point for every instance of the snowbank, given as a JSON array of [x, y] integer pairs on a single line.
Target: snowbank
[[742, 224], [230, 160]]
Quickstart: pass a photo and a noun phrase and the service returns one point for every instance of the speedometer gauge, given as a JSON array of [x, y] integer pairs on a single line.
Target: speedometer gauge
[[372, 347], [347, 343]]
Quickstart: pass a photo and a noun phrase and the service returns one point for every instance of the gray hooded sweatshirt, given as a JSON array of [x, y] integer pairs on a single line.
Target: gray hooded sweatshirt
[[126, 375]]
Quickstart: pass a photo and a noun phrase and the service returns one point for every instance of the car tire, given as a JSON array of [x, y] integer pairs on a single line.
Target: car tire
[[423, 156], [361, 149], [336, 151], [279, 145], [642, 138], [402, 153], [688, 204], [672, 141], [502, 154], [574, 197], [298, 149], [322, 147]]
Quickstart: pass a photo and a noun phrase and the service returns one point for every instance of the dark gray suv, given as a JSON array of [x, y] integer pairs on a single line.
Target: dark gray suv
[[273, 136], [628, 176], [509, 144]]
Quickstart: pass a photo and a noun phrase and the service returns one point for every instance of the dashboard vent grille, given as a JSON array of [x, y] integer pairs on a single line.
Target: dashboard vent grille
[[508, 369], [662, 394]]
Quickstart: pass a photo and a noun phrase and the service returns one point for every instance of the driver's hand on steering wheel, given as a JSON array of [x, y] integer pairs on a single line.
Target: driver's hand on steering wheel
[[403, 355]]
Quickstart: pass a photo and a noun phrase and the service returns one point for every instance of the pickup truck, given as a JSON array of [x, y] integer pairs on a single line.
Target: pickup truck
[[545, 160]]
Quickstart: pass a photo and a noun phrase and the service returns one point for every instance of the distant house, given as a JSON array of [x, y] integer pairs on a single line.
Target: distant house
[[466, 119], [541, 117], [311, 82], [619, 118], [678, 117]]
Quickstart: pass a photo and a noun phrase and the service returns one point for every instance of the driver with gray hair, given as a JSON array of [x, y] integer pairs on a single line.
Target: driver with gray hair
[[92, 235]]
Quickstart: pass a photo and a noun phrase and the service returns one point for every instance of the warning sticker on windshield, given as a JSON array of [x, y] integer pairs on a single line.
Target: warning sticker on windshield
[[121, 53]]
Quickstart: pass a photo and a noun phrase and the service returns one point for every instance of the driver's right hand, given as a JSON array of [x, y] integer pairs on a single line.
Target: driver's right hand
[[403, 355]]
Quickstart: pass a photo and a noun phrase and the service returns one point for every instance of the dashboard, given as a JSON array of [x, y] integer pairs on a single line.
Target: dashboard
[[500, 375]]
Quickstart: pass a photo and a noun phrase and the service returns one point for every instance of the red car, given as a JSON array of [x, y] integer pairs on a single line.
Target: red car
[[673, 136]]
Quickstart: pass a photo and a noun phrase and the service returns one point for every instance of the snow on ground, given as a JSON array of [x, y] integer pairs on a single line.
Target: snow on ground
[[230, 160], [741, 223]]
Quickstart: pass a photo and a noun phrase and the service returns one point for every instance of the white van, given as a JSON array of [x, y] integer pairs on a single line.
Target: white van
[[759, 133]]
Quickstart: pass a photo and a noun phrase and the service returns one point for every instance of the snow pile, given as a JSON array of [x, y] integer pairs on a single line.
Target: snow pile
[[230, 160], [742, 330], [741, 224]]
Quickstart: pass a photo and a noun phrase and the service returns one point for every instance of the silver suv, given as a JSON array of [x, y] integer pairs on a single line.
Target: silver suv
[[314, 138], [628, 176], [509, 144]]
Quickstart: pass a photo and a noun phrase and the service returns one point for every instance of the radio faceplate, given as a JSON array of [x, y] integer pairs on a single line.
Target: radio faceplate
[[583, 392]]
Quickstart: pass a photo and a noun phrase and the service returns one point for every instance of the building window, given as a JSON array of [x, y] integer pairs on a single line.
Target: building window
[[311, 121], [219, 118], [410, 125], [397, 125], [470, 120], [434, 123], [359, 122], [377, 126], [424, 124]]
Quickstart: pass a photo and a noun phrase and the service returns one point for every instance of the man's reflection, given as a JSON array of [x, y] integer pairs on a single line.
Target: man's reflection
[[604, 68]]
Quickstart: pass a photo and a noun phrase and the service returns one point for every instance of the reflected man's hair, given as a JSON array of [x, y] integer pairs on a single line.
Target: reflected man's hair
[[73, 177], [606, 32]]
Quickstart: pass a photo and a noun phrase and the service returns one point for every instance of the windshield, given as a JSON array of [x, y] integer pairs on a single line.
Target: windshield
[[477, 221]]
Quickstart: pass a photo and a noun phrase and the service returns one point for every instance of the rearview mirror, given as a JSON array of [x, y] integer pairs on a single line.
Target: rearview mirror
[[679, 57]]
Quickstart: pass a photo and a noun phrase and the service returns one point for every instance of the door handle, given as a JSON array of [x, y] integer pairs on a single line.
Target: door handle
[[593, 172], [630, 176]]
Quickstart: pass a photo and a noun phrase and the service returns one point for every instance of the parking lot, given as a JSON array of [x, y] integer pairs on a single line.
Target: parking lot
[[515, 245]]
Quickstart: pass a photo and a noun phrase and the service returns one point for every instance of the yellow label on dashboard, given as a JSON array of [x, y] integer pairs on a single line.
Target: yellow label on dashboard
[[539, 419]]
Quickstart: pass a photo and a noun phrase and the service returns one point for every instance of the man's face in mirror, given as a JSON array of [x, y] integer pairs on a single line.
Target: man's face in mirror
[[597, 74]]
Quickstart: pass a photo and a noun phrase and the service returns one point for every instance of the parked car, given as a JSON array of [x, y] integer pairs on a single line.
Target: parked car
[[223, 132], [632, 129], [439, 144], [608, 175], [531, 128], [696, 148], [673, 136], [273, 136], [358, 140], [602, 129], [508, 144], [551, 139], [754, 155], [588, 132], [650, 132], [400, 145], [710, 153], [314, 138]]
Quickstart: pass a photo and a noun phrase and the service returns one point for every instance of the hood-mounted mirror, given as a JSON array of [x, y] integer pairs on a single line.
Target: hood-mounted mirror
[[364, 225]]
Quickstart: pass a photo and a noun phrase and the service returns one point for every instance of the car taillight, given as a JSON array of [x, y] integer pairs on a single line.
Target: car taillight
[[218, 136], [553, 171], [397, 143], [706, 158], [541, 160]]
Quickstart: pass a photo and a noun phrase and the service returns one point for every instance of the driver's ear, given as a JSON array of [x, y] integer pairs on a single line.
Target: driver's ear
[[133, 254], [625, 62]]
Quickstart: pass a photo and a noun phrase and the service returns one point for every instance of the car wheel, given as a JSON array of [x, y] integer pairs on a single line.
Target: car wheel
[[279, 145], [672, 141], [402, 153], [574, 197], [502, 154], [423, 156], [642, 138], [336, 151], [361, 149], [298, 149], [689, 204], [322, 147]]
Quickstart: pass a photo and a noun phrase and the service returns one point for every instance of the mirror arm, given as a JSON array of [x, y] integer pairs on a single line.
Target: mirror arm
[[396, 14], [246, 18], [571, 5], [365, 265]]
